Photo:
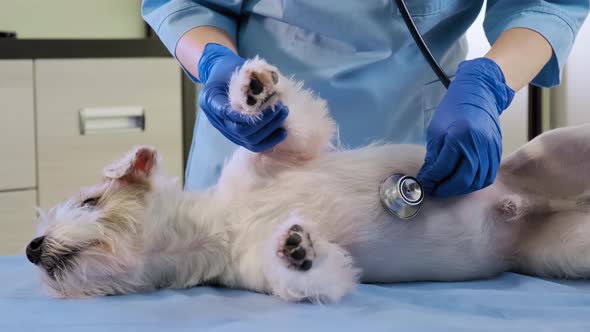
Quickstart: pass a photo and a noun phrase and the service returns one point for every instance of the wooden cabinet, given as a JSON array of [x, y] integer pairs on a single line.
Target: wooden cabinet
[[17, 125], [17, 155], [63, 120], [70, 158], [17, 220]]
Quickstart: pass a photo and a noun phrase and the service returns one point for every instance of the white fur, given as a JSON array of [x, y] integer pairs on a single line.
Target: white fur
[[145, 233]]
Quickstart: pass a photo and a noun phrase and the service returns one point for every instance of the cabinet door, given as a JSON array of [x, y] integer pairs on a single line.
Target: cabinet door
[[17, 125], [17, 221], [89, 114]]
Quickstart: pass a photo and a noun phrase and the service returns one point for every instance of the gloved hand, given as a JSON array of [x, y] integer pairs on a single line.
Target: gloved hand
[[216, 66], [464, 140]]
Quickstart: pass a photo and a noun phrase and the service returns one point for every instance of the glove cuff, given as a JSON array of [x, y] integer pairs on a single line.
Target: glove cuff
[[211, 55], [490, 74]]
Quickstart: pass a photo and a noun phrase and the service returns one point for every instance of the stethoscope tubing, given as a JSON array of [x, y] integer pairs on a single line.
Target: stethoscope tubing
[[444, 79]]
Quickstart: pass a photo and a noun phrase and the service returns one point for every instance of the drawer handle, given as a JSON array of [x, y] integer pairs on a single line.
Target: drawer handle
[[106, 120]]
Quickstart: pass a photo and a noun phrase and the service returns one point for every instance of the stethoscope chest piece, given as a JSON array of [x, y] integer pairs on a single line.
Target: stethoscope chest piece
[[401, 195]]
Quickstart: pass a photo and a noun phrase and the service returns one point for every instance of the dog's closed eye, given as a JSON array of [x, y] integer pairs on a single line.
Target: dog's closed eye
[[90, 202]]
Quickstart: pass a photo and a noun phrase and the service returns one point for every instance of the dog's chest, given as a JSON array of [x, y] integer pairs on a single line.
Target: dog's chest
[[334, 193]]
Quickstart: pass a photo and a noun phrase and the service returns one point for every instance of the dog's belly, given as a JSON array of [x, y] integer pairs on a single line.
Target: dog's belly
[[450, 239], [447, 241]]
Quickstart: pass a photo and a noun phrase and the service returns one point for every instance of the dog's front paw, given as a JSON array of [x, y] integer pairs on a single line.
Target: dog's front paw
[[253, 87], [296, 249]]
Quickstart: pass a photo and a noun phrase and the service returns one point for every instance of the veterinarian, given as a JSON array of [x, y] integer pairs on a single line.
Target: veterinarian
[[360, 57]]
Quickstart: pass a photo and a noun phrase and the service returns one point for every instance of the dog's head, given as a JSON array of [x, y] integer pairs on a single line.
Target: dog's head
[[91, 244]]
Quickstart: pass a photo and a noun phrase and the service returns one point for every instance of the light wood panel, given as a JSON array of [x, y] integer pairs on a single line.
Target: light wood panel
[[17, 125], [68, 159], [17, 221]]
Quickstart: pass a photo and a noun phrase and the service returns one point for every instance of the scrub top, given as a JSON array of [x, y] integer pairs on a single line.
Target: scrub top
[[358, 55]]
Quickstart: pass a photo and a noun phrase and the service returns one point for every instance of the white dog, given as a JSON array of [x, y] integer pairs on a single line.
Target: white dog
[[304, 221]]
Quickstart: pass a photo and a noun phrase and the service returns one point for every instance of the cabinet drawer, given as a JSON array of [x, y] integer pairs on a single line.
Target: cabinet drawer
[[72, 91], [17, 220], [17, 125]]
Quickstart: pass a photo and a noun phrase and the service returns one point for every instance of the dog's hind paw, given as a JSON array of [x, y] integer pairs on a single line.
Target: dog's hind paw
[[305, 266], [253, 87], [296, 249]]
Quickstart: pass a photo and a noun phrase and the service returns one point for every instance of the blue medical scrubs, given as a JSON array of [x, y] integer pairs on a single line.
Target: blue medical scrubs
[[358, 55]]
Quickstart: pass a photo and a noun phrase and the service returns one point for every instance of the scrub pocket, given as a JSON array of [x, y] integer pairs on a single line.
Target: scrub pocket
[[423, 7]]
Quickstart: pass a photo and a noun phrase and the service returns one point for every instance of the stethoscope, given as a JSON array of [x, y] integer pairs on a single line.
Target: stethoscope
[[402, 195]]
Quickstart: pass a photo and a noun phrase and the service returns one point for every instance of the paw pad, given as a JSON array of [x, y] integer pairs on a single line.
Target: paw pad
[[296, 249], [253, 88], [256, 86]]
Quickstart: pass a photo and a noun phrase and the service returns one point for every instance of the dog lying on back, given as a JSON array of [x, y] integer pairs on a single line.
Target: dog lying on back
[[304, 220]]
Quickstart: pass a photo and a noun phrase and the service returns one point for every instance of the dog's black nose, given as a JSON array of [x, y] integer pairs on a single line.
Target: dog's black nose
[[34, 250]]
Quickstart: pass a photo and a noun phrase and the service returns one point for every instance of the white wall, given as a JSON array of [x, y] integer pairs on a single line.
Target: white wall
[[514, 119], [569, 101], [70, 19]]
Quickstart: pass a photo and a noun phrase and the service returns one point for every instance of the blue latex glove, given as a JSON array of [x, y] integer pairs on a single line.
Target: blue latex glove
[[464, 137], [216, 66]]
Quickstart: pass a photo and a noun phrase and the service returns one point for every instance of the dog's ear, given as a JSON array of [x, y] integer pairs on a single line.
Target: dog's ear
[[139, 163]]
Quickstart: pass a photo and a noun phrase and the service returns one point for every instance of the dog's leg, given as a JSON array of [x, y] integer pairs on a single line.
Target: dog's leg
[[555, 164], [558, 246], [549, 176], [301, 265], [256, 87], [293, 262], [310, 130]]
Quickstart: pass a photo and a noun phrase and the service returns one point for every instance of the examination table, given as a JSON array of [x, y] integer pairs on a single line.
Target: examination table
[[510, 302]]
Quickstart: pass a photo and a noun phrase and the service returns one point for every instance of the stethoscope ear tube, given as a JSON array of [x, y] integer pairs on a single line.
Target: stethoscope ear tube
[[421, 44]]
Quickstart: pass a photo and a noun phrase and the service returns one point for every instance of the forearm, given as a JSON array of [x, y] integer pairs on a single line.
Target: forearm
[[191, 45], [521, 54]]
